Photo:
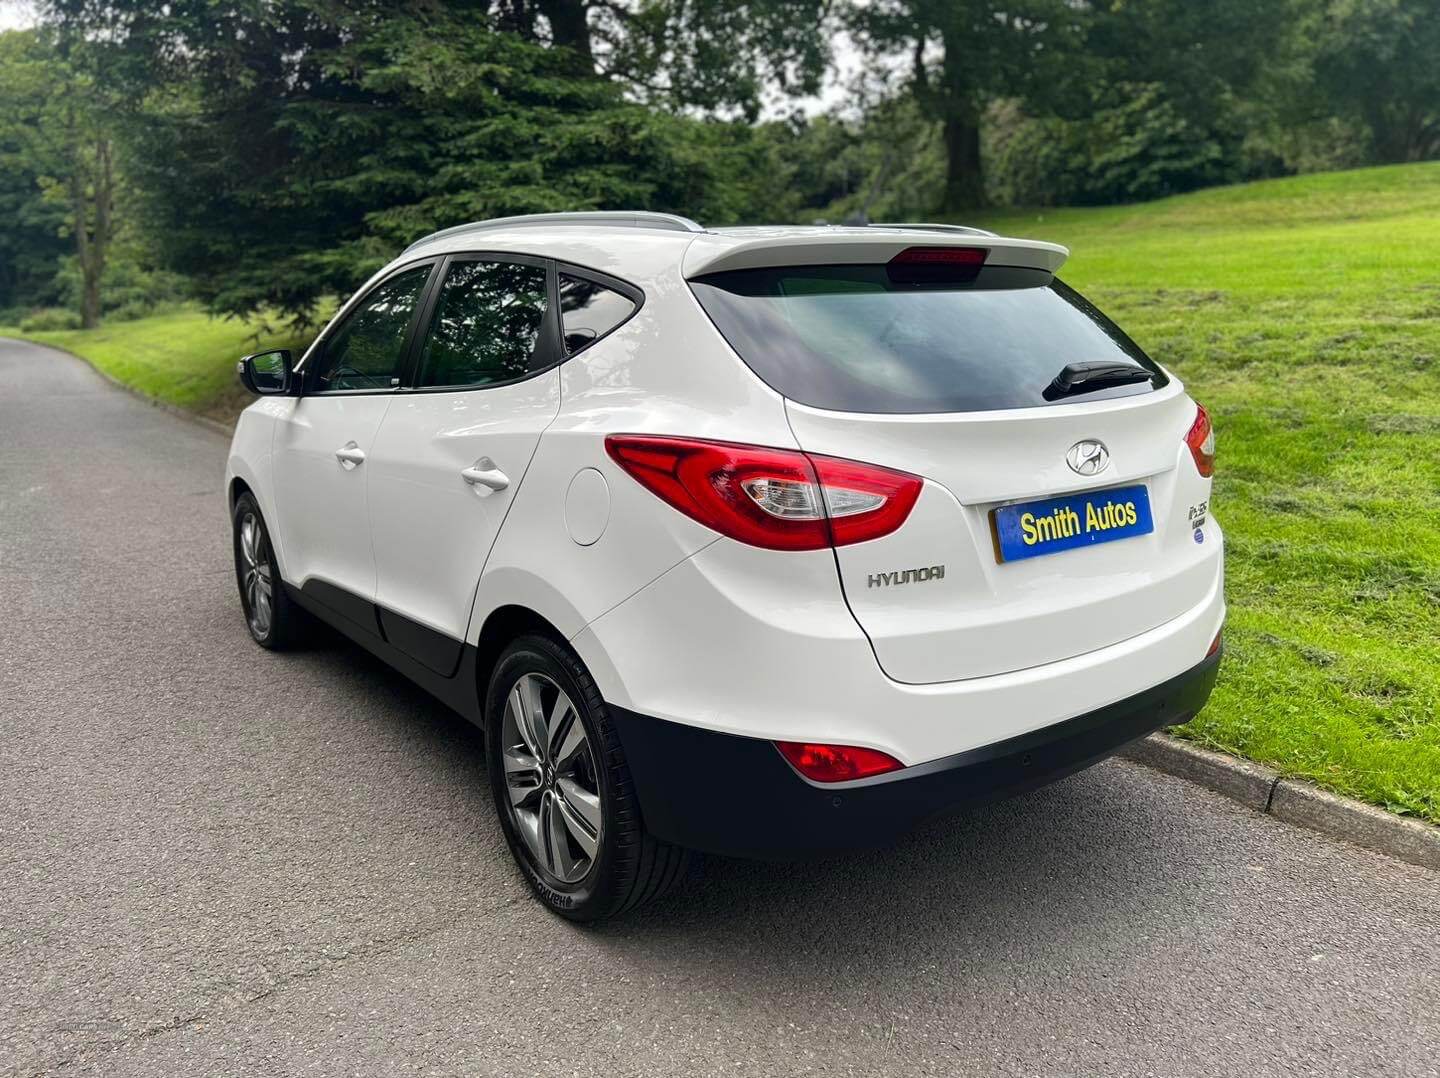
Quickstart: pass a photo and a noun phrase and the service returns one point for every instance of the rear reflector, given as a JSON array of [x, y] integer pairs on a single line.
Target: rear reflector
[[936, 265], [836, 763], [779, 499], [1215, 644], [1201, 440]]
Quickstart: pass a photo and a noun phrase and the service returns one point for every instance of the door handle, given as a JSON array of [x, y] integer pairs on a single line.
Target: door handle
[[483, 473], [349, 455]]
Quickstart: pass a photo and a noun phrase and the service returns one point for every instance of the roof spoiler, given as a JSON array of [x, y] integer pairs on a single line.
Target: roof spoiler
[[711, 253]]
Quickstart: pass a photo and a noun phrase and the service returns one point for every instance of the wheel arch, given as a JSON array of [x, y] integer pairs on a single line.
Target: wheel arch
[[502, 625], [238, 486]]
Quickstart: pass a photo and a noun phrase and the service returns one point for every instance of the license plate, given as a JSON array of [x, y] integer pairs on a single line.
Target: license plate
[[1030, 529]]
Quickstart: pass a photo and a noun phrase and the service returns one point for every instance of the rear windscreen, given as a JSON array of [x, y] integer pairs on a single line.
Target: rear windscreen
[[848, 338]]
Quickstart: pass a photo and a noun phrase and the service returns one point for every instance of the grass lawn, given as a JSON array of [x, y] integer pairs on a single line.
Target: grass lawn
[[1305, 314], [181, 356]]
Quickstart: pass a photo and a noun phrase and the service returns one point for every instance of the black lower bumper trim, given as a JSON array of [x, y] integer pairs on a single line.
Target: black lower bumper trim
[[737, 795]]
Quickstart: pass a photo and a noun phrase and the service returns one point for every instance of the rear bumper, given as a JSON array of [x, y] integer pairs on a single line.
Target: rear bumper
[[737, 796]]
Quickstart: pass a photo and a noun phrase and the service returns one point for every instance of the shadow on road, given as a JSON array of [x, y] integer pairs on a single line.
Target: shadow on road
[[1044, 870]]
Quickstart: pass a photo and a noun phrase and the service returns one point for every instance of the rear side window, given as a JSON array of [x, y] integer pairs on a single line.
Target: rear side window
[[589, 310], [850, 339], [486, 325]]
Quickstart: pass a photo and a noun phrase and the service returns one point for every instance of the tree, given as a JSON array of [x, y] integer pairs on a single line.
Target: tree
[[284, 149], [31, 243], [56, 132], [1375, 61], [963, 55]]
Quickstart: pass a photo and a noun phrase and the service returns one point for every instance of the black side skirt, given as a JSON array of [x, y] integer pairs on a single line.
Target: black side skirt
[[442, 666]]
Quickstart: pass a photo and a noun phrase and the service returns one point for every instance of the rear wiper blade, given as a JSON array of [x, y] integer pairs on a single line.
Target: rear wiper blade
[[1094, 374]]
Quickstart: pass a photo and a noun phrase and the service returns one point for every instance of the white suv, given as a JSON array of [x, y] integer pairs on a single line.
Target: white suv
[[760, 541]]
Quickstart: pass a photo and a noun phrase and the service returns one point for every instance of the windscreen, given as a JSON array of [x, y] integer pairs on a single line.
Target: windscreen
[[851, 339]]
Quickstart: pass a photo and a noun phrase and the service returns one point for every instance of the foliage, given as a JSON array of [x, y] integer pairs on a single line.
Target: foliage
[[886, 166], [1375, 64], [713, 55], [46, 319], [30, 239], [1139, 149], [965, 54], [287, 163], [56, 177]]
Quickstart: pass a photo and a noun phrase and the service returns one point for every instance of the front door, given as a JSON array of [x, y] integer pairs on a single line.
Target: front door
[[455, 446], [323, 444]]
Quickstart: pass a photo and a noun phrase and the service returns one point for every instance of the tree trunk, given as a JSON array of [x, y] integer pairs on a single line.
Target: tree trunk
[[92, 213], [964, 176], [957, 101], [570, 29]]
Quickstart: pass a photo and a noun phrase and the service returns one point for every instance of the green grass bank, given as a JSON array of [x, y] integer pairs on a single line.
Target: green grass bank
[[180, 356], [1305, 314]]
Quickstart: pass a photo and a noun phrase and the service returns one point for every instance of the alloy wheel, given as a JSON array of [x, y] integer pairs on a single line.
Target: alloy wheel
[[255, 582], [551, 779]]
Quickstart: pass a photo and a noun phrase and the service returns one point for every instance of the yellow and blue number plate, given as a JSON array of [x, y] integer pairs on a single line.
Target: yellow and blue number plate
[[1030, 529]]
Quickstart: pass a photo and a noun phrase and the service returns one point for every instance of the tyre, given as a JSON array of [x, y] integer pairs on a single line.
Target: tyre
[[273, 620], [564, 795]]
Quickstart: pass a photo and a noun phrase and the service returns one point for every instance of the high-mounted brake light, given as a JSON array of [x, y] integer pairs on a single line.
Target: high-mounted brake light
[[1201, 440], [779, 499], [936, 265], [836, 763], [950, 256]]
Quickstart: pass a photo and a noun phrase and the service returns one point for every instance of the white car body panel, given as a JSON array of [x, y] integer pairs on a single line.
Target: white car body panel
[[323, 512], [431, 530], [737, 642]]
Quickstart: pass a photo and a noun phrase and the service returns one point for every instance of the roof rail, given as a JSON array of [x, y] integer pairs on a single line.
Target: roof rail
[[666, 222], [921, 226]]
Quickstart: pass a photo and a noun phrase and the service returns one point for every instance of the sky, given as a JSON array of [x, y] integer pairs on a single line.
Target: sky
[[15, 14]]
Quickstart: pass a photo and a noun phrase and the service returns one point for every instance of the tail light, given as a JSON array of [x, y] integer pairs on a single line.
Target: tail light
[[1201, 441], [779, 499], [836, 763]]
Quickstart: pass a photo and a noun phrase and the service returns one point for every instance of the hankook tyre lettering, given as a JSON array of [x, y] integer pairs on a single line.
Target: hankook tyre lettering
[[737, 540]]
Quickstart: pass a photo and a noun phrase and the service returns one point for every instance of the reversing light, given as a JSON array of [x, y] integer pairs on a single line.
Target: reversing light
[[836, 763], [1201, 440]]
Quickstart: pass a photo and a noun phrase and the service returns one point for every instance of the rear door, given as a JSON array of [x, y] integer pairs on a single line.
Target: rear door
[[456, 444], [950, 379]]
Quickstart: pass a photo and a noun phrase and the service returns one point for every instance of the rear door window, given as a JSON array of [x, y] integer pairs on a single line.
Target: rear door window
[[486, 327], [849, 338], [589, 310]]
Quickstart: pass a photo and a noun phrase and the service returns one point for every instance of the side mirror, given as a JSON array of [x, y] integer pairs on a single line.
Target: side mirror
[[266, 373]]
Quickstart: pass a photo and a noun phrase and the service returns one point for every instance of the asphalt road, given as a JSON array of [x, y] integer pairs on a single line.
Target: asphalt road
[[215, 860]]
